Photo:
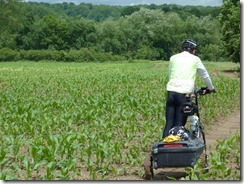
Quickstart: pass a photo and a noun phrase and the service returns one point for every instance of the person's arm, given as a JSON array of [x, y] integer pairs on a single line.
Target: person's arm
[[205, 76]]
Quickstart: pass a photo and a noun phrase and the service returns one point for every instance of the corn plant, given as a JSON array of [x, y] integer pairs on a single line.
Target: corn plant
[[224, 164], [71, 121]]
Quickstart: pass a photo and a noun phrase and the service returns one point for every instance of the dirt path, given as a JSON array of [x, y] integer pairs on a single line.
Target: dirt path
[[225, 128]]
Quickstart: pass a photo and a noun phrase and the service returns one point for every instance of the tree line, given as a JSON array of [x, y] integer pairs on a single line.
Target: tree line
[[66, 32]]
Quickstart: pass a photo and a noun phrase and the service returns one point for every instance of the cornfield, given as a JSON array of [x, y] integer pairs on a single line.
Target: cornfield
[[89, 121]]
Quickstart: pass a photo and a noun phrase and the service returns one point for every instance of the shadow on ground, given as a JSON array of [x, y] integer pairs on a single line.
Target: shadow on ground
[[169, 174]]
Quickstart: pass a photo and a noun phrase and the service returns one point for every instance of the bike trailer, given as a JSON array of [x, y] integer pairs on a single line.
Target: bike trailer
[[176, 154]]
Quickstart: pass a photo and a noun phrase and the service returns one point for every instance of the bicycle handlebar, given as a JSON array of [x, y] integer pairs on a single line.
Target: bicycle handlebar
[[204, 91]]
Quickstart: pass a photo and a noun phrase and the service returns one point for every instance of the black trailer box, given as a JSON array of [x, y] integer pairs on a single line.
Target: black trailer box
[[176, 154]]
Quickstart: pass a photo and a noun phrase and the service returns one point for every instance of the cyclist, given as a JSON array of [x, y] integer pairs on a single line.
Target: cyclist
[[183, 68]]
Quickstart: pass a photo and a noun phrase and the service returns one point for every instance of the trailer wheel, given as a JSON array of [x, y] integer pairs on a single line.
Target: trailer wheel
[[204, 163], [147, 168]]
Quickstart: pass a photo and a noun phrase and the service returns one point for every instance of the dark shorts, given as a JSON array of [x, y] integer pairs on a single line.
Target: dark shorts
[[174, 114]]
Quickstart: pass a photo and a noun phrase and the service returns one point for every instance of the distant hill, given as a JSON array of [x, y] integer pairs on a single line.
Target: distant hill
[[137, 2]]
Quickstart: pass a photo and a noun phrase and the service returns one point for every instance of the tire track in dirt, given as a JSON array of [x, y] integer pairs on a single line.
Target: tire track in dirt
[[225, 128]]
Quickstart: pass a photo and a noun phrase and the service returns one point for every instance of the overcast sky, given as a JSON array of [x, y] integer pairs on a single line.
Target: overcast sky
[[136, 2]]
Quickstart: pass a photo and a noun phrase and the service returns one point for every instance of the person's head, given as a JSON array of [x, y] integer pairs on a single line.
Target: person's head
[[189, 46]]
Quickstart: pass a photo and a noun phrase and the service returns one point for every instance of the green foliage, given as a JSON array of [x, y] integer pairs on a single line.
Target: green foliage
[[91, 121], [152, 32], [230, 21], [224, 163], [100, 13], [147, 53], [9, 13], [81, 55], [10, 21], [128, 10], [8, 55]]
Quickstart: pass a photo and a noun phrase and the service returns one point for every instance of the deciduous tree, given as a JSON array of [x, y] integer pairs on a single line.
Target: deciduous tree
[[230, 21]]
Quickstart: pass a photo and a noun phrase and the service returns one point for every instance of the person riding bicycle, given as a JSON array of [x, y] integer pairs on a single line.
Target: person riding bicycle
[[183, 68]]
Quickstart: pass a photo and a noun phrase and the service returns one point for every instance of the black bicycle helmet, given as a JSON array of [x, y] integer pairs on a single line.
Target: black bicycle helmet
[[189, 44]]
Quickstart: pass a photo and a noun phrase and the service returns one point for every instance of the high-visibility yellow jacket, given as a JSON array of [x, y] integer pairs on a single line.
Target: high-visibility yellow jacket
[[183, 68]]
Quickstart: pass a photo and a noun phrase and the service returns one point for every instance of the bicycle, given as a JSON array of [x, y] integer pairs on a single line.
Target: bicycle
[[186, 152]]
